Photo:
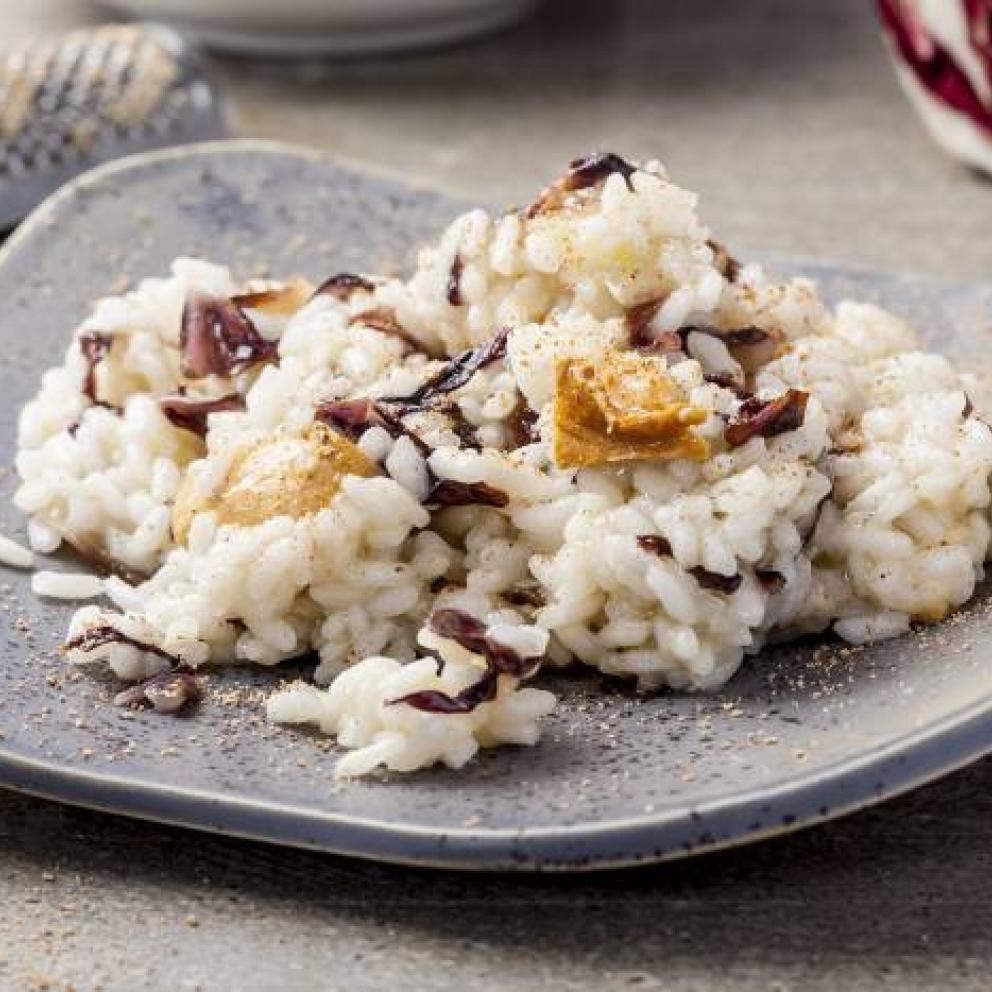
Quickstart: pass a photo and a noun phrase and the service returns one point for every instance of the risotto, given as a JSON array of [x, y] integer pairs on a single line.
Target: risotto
[[581, 432]]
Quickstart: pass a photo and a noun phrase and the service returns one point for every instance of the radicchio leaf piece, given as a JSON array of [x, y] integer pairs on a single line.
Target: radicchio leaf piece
[[766, 418], [454, 287], [750, 346], [641, 336], [724, 262], [343, 286], [727, 381], [191, 415], [167, 692], [353, 418], [447, 492], [95, 554], [436, 701], [105, 633], [638, 320], [525, 594], [385, 321], [216, 338], [582, 173], [657, 545], [473, 635], [462, 427], [594, 168], [456, 373], [94, 346], [728, 584], [523, 424], [772, 581]]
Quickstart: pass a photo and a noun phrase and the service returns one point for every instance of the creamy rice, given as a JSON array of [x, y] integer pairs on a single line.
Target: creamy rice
[[385, 472]]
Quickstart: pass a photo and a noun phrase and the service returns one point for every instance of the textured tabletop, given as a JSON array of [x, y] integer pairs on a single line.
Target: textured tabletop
[[787, 119]]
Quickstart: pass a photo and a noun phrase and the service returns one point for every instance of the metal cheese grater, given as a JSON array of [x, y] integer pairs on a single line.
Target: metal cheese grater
[[90, 97]]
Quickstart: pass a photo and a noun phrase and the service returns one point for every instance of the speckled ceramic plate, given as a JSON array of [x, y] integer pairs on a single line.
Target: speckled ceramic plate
[[801, 734]]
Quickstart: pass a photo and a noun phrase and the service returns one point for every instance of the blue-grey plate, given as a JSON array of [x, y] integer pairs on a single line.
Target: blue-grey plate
[[802, 734]]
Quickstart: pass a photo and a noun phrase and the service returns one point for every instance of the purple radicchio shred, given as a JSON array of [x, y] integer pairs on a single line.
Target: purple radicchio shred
[[462, 427], [95, 346], [385, 321], [459, 370], [766, 418], [105, 633], [343, 286], [638, 320], [447, 492], [525, 594], [100, 560], [217, 338], [744, 336], [472, 634], [661, 343], [353, 418], [582, 173], [815, 521], [657, 545], [724, 262], [728, 584], [435, 701], [750, 346], [592, 169], [454, 287], [523, 424], [191, 415], [727, 381], [168, 692], [770, 580]]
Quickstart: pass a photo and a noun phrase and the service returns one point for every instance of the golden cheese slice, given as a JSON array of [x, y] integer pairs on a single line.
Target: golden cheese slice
[[623, 407], [282, 476]]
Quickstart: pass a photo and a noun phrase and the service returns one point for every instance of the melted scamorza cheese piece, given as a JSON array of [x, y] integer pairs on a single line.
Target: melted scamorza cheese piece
[[281, 476], [623, 407]]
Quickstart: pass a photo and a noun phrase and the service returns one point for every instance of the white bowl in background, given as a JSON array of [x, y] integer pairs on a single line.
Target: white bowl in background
[[335, 27]]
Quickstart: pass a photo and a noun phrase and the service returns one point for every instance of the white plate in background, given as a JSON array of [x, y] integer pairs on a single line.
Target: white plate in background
[[330, 27]]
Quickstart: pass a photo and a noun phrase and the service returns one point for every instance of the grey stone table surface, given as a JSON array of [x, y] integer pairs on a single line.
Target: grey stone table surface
[[786, 117]]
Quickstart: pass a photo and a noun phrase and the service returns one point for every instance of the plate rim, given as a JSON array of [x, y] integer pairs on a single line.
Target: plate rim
[[919, 756], [640, 840]]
